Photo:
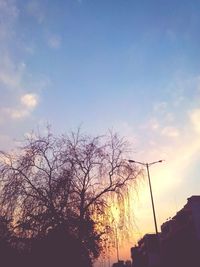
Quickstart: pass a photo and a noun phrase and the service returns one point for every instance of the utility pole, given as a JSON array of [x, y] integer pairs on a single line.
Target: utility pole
[[147, 165], [117, 243]]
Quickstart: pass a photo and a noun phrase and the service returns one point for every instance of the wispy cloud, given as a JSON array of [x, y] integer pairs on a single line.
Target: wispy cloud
[[180, 151], [15, 113], [19, 103], [9, 14], [26, 105], [170, 131], [194, 116], [11, 73], [160, 106], [20, 88], [54, 41], [35, 10]]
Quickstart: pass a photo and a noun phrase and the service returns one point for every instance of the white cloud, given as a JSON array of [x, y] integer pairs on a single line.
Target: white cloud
[[28, 103], [20, 89], [15, 102], [29, 100]]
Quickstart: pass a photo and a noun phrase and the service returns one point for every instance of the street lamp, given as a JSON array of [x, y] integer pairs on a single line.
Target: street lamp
[[147, 165], [116, 237], [117, 243]]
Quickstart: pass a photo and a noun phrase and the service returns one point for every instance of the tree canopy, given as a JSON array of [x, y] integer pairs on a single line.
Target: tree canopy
[[54, 189]]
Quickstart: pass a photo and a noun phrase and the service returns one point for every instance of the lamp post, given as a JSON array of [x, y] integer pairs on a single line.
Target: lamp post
[[117, 243], [147, 165]]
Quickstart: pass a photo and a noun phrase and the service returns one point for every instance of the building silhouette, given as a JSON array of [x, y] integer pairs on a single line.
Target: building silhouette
[[122, 264], [119, 264], [146, 253], [178, 244], [180, 236]]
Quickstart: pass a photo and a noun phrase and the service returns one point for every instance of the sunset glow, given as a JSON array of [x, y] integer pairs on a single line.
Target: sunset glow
[[129, 66]]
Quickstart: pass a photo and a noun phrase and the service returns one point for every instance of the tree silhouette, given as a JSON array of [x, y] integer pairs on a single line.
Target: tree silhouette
[[55, 190]]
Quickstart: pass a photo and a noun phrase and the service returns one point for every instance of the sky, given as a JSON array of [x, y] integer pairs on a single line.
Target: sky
[[128, 65]]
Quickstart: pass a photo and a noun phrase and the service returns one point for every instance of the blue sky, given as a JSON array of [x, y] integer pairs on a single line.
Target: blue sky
[[100, 62], [132, 66]]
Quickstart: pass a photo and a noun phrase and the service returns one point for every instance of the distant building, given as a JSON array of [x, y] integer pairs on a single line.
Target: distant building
[[119, 264], [137, 257], [122, 264], [146, 253], [127, 263], [180, 236]]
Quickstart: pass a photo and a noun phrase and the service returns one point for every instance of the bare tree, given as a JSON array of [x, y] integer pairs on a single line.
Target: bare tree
[[52, 181]]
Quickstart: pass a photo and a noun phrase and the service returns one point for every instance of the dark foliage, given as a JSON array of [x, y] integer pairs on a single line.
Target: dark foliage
[[51, 189]]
